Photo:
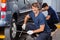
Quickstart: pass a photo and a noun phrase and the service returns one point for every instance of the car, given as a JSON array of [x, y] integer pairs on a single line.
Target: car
[[12, 13]]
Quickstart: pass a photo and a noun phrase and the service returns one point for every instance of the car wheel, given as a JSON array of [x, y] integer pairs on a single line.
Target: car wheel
[[13, 30]]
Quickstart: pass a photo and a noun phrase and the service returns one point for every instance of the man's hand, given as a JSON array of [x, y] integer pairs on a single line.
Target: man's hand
[[43, 9], [30, 32], [23, 26], [48, 17]]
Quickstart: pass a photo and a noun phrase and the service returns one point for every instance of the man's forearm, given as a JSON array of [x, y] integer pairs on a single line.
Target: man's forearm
[[41, 29], [38, 30], [48, 17], [26, 19]]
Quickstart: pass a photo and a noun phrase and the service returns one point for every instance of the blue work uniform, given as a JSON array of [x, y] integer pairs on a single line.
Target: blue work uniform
[[53, 19], [39, 20]]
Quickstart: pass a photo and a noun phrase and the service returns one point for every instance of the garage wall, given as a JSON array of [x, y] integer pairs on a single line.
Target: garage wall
[[58, 5], [47, 1]]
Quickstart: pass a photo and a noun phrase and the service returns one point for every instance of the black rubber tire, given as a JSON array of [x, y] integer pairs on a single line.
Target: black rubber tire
[[17, 34], [8, 33]]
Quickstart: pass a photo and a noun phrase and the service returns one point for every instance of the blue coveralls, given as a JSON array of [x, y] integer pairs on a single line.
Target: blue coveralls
[[39, 20], [53, 19]]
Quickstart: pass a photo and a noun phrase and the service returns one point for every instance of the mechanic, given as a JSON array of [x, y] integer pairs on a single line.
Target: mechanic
[[53, 18], [40, 26]]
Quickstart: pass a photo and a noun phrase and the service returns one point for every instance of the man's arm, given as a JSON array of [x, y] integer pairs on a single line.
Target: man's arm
[[41, 29], [45, 12], [48, 17], [26, 19]]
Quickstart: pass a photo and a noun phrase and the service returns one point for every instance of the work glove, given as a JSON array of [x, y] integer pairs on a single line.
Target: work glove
[[23, 26], [30, 32]]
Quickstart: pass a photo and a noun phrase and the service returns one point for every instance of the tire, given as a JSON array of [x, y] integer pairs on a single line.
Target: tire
[[11, 33]]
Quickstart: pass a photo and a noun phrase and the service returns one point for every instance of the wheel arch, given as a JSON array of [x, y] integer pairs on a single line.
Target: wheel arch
[[14, 16]]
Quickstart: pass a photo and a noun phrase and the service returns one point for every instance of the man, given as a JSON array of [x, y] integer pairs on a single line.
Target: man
[[53, 19], [40, 26]]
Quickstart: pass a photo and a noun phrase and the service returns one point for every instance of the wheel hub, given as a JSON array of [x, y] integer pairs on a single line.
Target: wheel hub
[[14, 30]]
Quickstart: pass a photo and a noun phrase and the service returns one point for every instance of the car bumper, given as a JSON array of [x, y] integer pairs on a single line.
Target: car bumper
[[3, 23]]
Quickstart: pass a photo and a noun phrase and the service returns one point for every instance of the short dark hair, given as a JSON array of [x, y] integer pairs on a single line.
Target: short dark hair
[[44, 5]]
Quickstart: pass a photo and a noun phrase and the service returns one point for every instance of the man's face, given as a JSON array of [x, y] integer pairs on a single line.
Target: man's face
[[35, 9], [46, 8]]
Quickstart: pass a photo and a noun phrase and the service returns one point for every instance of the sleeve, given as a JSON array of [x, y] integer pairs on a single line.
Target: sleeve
[[42, 20], [30, 14]]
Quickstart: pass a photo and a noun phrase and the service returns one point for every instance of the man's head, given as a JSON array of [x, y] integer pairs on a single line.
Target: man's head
[[35, 7], [45, 6]]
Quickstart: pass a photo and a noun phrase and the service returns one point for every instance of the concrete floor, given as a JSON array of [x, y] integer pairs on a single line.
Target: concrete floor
[[56, 36]]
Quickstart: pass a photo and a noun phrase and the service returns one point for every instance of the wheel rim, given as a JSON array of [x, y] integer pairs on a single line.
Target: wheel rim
[[13, 29]]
